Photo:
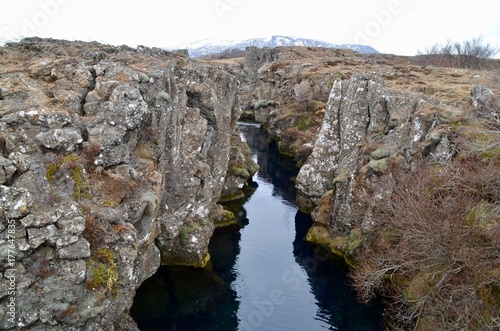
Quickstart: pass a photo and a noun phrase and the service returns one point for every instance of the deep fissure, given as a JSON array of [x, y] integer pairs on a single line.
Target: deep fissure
[[255, 279]]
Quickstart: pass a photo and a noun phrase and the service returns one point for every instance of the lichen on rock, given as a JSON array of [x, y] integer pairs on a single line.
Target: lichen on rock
[[111, 160], [367, 129]]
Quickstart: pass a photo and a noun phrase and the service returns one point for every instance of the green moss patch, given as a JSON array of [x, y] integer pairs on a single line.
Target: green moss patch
[[239, 171], [51, 171], [71, 163], [221, 217], [186, 232], [102, 271], [319, 235]]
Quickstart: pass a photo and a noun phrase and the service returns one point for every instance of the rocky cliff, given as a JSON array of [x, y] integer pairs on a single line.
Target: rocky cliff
[[352, 121], [367, 130], [112, 162], [371, 134], [287, 88], [406, 189], [399, 172]]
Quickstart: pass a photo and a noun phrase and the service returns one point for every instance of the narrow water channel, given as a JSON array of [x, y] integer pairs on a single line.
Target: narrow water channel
[[263, 275]]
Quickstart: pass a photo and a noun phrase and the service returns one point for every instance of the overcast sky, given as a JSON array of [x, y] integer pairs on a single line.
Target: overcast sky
[[391, 26]]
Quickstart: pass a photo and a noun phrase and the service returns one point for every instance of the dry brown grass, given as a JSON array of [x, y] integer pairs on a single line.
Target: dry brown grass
[[94, 233], [437, 252], [114, 189]]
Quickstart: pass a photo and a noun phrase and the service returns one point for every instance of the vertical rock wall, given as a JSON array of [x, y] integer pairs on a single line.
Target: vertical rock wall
[[111, 160], [368, 132]]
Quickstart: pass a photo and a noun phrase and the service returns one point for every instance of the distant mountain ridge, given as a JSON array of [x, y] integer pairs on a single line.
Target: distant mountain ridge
[[212, 46]]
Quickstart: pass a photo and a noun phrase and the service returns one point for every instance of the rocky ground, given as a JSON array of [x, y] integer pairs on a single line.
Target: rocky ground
[[287, 88]]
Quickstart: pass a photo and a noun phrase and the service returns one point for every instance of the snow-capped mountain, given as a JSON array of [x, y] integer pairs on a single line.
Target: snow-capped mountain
[[212, 46]]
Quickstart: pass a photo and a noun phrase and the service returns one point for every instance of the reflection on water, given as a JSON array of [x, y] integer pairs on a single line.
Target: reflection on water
[[181, 298], [263, 275]]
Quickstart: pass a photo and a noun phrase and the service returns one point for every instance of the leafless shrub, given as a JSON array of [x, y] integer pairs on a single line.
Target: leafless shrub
[[299, 143], [94, 233], [277, 65], [437, 254], [468, 54]]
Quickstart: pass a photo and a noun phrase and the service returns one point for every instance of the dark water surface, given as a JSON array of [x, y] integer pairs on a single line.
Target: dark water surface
[[263, 275]]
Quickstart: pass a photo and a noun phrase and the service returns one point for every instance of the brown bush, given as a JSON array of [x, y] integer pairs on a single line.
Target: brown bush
[[89, 154], [67, 313], [94, 233], [278, 65], [150, 134], [299, 142], [436, 256], [45, 269]]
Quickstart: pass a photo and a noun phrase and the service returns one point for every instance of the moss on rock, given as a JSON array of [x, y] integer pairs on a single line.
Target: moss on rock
[[378, 166], [239, 171], [102, 270], [221, 217], [319, 235], [232, 196], [51, 171], [185, 233], [354, 241], [379, 154]]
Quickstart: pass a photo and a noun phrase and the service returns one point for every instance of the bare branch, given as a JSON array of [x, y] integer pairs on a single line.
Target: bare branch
[[467, 54], [437, 250]]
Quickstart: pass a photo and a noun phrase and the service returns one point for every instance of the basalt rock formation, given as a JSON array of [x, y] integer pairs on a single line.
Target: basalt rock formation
[[402, 186], [367, 129], [112, 162]]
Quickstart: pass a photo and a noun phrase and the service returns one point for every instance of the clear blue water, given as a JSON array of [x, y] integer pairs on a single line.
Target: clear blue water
[[263, 275]]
